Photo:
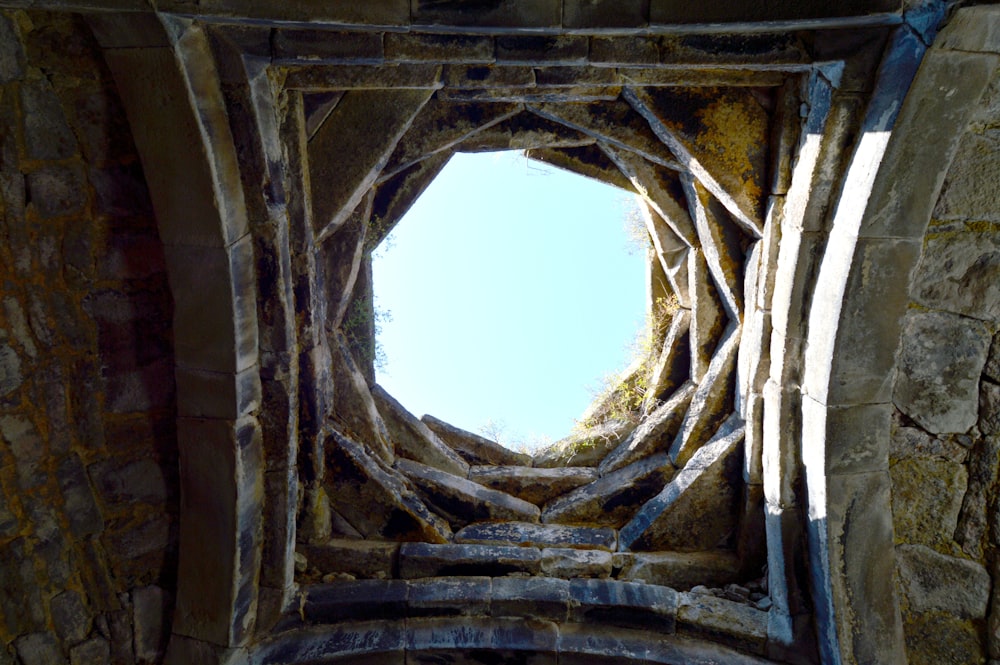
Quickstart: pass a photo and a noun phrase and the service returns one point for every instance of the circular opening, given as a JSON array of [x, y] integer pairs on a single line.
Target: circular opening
[[505, 294]]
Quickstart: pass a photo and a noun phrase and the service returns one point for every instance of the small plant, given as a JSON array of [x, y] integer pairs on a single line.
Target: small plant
[[361, 326]]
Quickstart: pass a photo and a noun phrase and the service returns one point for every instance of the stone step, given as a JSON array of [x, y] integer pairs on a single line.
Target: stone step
[[462, 501], [474, 448], [536, 486], [613, 499], [526, 534], [584, 448]]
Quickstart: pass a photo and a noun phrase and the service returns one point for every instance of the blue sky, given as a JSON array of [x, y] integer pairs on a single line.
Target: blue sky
[[512, 289]]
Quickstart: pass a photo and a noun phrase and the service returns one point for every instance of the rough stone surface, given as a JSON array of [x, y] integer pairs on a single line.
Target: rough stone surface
[[462, 501], [526, 534], [976, 518], [354, 408], [613, 499], [95, 651], [989, 408], [625, 604], [39, 649], [569, 563], [151, 606], [732, 623], [654, 434], [932, 581], [360, 558], [423, 560], [413, 439], [940, 362], [695, 511], [377, 501], [682, 570], [474, 448], [938, 637], [536, 486], [959, 273], [911, 442], [71, 617], [926, 499]]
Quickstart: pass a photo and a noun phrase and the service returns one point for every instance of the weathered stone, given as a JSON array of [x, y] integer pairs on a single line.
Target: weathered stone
[[474, 448], [39, 649], [711, 403], [141, 480], [11, 52], [992, 368], [46, 133], [673, 365], [55, 191], [696, 510], [910, 442], [535, 49], [974, 520], [423, 560], [940, 360], [535, 485], [462, 501], [939, 637], [536, 597], [993, 620], [654, 434], [926, 499], [416, 47], [10, 370], [523, 131], [708, 319], [959, 273], [151, 607], [731, 623], [625, 604], [28, 449], [324, 45], [356, 600], [932, 581], [589, 161], [377, 501], [412, 439], [614, 498], [541, 14], [360, 558], [353, 406], [568, 563], [95, 651], [81, 509], [462, 596], [968, 193], [70, 616], [584, 448], [464, 642], [526, 534], [682, 570], [989, 408]]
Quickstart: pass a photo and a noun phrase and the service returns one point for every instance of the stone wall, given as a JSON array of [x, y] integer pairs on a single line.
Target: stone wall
[[88, 468], [945, 446]]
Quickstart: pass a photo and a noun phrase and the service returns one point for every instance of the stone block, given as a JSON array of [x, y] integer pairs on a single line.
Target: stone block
[[151, 609], [541, 14], [587, 644], [959, 273], [11, 52], [605, 14], [613, 499], [630, 50], [940, 361], [912, 442], [532, 597], [450, 596], [81, 510], [56, 191], [976, 519], [377, 501], [526, 534], [989, 408], [948, 88], [205, 394], [723, 620], [20, 600], [932, 581], [356, 601], [926, 499], [624, 604], [412, 439], [682, 570], [71, 617], [10, 370], [47, 135], [654, 434], [364, 77], [120, 482], [354, 408], [697, 509], [473, 448], [360, 558], [39, 649], [786, 560], [462, 501], [423, 560], [535, 485], [567, 563], [417, 47], [464, 641], [28, 449], [938, 637], [326, 46], [539, 49], [95, 651]]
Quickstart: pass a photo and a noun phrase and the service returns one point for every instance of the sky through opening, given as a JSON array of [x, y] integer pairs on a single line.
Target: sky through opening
[[509, 289]]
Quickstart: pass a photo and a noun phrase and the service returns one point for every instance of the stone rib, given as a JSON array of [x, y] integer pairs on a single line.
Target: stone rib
[[473, 448], [413, 439], [655, 432]]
